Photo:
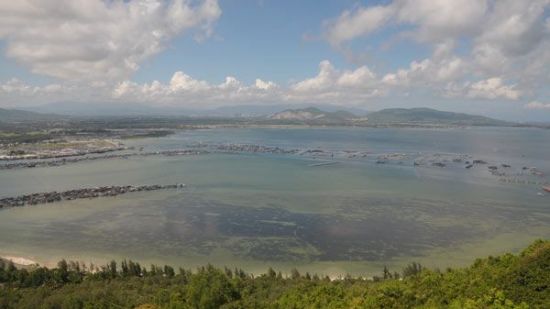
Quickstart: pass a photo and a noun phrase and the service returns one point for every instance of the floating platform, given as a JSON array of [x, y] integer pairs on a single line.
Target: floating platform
[[323, 164]]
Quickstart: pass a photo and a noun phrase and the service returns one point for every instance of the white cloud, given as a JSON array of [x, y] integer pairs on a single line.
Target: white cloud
[[432, 20], [14, 93], [437, 20], [323, 80], [328, 86], [359, 78], [488, 89], [441, 68], [537, 105], [17, 87], [329, 79], [500, 41], [337, 87], [183, 82], [182, 89], [492, 88], [515, 27], [265, 85], [96, 40], [481, 49], [352, 24], [231, 83], [514, 37]]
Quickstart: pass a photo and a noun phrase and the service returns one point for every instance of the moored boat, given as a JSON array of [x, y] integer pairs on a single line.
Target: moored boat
[[546, 188]]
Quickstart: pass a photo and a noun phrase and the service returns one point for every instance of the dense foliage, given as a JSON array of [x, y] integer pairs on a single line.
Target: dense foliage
[[507, 281]]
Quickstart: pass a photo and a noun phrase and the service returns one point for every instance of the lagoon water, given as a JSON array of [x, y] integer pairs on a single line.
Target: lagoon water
[[254, 210]]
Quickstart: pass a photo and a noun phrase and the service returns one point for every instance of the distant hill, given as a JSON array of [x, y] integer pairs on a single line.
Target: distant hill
[[299, 116], [136, 109], [15, 115], [265, 110], [99, 109], [385, 117], [313, 115], [430, 116]]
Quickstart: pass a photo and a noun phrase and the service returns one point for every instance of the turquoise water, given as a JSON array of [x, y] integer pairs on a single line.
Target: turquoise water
[[259, 210]]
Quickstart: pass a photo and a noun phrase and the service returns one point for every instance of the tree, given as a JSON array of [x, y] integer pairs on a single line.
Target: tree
[[11, 267], [113, 269], [210, 288], [412, 269], [504, 282], [228, 272], [396, 275], [271, 273], [62, 273], [169, 271], [39, 276], [124, 268], [387, 274], [294, 274], [134, 269]]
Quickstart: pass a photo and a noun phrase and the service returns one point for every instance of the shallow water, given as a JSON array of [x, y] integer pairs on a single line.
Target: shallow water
[[260, 210]]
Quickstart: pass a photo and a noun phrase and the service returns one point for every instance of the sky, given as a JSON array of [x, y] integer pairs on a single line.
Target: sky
[[489, 57]]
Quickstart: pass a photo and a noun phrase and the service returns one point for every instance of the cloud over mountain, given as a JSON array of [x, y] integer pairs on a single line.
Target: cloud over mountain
[[471, 50]]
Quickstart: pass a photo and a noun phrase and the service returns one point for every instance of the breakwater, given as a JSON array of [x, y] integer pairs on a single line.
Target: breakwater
[[64, 161], [253, 148], [54, 196], [454, 161], [59, 154]]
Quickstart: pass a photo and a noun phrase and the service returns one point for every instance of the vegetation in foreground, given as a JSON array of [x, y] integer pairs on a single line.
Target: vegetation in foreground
[[507, 281]]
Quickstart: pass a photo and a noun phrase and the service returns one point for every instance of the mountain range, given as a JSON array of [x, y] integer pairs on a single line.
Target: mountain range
[[313, 114], [430, 116], [308, 116], [15, 115], [385, 117]]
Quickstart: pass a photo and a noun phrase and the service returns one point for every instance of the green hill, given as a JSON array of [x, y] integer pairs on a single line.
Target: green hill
[[15, 115], [385, 117], [430, 116], [313, 115], [507, 281]]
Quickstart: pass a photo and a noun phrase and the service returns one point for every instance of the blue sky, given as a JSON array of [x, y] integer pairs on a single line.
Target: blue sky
[[479, 56], [254, 38], [279, 40]]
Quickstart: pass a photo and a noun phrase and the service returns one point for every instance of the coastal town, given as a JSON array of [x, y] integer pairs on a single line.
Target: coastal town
[[58, 149]]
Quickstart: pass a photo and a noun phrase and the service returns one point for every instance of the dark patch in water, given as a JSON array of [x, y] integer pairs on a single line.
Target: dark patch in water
[[362, 230]]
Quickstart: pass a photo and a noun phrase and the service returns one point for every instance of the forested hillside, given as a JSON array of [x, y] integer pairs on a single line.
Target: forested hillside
[[507, 281], [427, 115]]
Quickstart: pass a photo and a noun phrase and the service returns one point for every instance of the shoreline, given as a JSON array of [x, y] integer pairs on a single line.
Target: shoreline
[[435, 258]]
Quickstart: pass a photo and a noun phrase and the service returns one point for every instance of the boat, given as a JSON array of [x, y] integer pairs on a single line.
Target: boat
[[546, 188]]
